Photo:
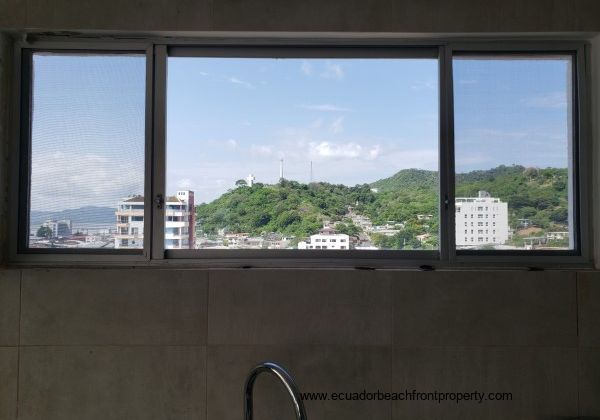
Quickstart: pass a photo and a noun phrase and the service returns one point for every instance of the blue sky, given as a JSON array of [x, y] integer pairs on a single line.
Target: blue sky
[[87, 130], [356, 120]]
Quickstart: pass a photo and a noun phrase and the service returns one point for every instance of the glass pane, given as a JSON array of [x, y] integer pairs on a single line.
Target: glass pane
[[87, 151], [317, 154], [513, 131]]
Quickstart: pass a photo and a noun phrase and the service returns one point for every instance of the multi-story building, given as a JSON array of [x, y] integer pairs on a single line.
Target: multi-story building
[[60, 228], [481, 220], [180, 219], [130, 223], [327, 238]]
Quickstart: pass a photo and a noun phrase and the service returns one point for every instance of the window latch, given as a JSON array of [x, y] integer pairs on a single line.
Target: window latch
[[446, 201], [159, 201]]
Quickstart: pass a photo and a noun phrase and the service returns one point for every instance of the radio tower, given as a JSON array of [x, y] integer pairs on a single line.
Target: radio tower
[[311, 173], [280, 170]]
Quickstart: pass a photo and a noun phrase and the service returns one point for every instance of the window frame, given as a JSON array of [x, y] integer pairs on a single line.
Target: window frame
[[157, 53], [20, 149]]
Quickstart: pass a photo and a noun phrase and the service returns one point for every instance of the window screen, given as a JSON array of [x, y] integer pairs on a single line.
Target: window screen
[[513, 139], [87, 151]]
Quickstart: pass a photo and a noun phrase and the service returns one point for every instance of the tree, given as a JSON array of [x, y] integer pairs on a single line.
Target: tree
[[241, 183], [44, 232]]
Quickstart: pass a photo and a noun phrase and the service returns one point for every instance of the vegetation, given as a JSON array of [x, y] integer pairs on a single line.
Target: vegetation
[[409, 197], [44, 232]]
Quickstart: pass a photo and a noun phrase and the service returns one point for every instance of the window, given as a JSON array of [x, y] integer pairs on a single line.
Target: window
[[280, 152], [513, 138], [86, 126]]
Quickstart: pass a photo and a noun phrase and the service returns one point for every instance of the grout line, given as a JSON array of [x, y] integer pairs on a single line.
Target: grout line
[[206, 348], [577, 306], [19, 343], [578, 368], [392, 346]]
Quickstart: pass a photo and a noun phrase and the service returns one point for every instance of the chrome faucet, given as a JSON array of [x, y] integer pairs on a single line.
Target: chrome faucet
[[284, 377]]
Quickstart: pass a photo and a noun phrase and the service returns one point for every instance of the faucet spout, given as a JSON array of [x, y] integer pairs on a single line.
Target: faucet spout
[[284, 377]]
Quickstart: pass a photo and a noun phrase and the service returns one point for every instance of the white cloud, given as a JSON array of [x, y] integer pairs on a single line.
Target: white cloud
[[325, 107], [329, 150], [203, 73], [231, 144], [337, 126], [306, 68], [61, 181], [226, 144], [332, 71], [549, 100], [237, 81]]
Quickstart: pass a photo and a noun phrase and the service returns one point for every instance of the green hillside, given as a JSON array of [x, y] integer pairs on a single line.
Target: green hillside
[[289, 208], [408, 178], [294, 209]]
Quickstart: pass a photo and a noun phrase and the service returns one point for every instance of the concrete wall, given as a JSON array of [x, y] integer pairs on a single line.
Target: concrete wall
[[420, 16], [595, 100], [177, 344], [5, 75]]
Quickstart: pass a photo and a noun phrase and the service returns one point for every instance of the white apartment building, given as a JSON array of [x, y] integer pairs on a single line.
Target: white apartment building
[[130, 223], [180, 217], [481, 220], [327, 238]]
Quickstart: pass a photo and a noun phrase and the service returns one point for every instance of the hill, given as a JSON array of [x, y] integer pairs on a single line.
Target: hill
[[299, 210], [87, 214], [289, 208], [408, 178]]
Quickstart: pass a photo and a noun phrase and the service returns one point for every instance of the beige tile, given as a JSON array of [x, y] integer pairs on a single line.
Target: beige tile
[[589, 382], [112, 383], [588, 288], [314, 368], [298, 307], [542, 381], [9, 307], [120, 306], [484, 308], [146, 15], [307, 15], [8, 382]]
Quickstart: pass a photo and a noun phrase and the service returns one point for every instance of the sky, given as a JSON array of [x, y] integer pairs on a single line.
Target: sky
[[356, 120]]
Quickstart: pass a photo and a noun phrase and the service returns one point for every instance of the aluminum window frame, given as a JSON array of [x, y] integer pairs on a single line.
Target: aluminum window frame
[[312, 258], [579, 157], [20, 146], [157, 53]]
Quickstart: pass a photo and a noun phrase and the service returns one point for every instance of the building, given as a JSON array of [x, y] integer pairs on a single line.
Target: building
[[60, 228], [481, 220], [327, 238], [180, 219], [130, 223]]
